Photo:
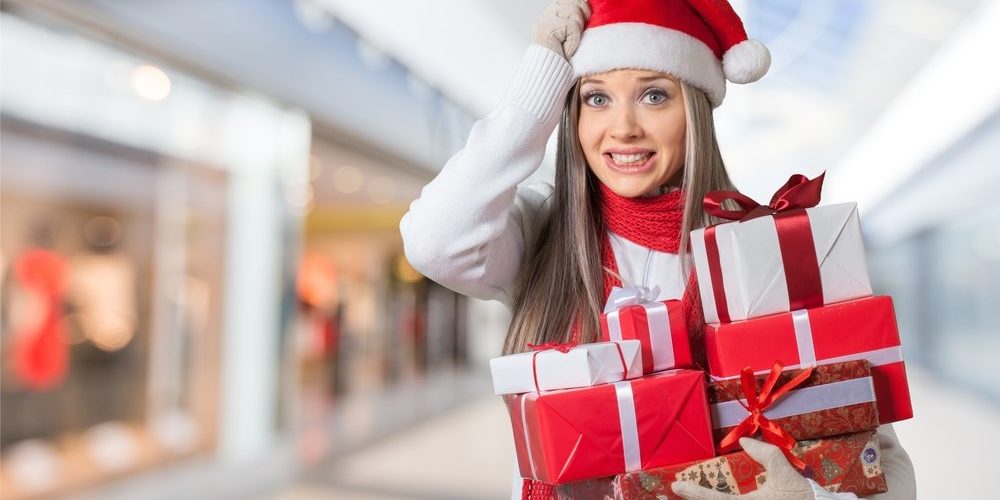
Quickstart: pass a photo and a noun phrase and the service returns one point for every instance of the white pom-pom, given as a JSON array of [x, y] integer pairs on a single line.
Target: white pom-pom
[[746, 61]]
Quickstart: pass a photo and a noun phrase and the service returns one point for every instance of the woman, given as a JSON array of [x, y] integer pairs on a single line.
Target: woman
[[636, 154]]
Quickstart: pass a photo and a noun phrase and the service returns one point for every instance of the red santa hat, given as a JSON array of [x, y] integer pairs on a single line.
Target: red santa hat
[[701, 42]]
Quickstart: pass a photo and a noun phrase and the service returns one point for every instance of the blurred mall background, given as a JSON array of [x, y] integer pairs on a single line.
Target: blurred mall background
[[204, 292]]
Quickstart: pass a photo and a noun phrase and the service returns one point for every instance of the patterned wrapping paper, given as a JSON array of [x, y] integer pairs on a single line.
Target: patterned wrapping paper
[[847, 381], [846, 463]]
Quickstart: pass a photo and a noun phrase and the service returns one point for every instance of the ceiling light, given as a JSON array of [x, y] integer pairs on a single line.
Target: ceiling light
[[150, 82], [348, 179], [382, 190]]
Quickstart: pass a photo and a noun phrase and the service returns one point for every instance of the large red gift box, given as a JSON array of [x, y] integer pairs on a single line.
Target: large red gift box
[[575, 434], [845, 463], [857, 329], [661, 329], [835, 399]]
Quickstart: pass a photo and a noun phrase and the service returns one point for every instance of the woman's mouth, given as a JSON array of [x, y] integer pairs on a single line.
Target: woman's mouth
[[632, 163]]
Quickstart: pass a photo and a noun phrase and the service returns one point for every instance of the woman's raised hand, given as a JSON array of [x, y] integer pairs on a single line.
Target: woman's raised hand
[[559, 28]]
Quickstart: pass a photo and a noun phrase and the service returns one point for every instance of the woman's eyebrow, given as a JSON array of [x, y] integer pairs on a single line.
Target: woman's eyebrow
[[653, 78], [643, 79]]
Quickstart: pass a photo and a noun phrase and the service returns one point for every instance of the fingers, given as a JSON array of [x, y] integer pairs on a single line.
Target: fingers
[[769, 456], [561, 25], [582, 5], [572, 12], [572, 39], [571, 44], [691, 491]]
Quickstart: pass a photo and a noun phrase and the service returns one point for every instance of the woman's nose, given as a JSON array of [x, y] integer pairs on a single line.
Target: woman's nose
[[625, 125]]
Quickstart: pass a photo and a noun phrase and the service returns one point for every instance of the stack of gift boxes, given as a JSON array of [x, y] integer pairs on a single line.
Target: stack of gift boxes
[[799, 352]]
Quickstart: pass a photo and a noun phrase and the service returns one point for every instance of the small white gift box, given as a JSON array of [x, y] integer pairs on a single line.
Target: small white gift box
[[566, 367]]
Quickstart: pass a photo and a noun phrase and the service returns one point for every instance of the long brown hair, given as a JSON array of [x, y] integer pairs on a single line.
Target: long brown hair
[[563, 277]]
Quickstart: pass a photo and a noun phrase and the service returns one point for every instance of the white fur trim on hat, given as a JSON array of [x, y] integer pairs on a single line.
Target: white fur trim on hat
[[645, 46], [746, 61]]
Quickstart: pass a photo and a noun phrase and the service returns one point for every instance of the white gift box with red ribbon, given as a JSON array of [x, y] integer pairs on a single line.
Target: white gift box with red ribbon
[[753, 268], [566, 367]]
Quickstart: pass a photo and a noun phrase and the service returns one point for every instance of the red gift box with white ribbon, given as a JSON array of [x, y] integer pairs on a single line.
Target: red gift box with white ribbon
[[857, 329], [660, 327], [576, 434]]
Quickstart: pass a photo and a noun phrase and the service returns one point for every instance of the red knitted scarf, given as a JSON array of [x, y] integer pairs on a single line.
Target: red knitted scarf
[[653, 222]]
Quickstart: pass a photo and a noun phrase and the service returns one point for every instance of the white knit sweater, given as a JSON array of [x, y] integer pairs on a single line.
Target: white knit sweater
[[471, 225]]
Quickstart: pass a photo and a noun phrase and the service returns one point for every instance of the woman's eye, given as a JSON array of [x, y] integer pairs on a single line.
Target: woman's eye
[[596, 100], [656, 97]]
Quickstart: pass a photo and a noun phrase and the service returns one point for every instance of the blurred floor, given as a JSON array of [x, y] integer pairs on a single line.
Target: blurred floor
[[951, 440], [466, 453]]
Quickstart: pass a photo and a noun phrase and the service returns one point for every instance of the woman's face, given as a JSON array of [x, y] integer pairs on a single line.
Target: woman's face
[[632, 127]]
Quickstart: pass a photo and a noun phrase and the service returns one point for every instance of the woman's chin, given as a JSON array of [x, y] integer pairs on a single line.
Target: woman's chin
[[629, 188]]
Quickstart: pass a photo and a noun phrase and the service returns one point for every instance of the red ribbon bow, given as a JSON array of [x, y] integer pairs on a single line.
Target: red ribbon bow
[[757, 404], [798, 193]]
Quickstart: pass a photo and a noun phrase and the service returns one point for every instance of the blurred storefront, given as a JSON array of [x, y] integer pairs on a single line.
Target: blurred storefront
[[150, 221], [204, 287], [369, 322]]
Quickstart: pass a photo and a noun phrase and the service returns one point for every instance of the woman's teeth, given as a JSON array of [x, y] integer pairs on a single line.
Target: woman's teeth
[[637, 159]]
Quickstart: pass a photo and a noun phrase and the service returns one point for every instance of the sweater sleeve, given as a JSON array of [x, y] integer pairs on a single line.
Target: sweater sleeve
[[897, 467], [467, 230]]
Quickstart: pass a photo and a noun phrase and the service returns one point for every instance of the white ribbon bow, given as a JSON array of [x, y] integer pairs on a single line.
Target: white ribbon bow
[[630, 296]]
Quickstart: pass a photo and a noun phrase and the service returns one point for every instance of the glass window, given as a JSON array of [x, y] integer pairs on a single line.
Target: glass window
[[111, 261]]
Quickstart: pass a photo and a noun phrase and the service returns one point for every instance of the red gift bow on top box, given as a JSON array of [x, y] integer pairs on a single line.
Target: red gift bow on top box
[[818, 251]]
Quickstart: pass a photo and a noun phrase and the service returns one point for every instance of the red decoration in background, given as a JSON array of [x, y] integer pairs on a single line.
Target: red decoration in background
[[41, 354]]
